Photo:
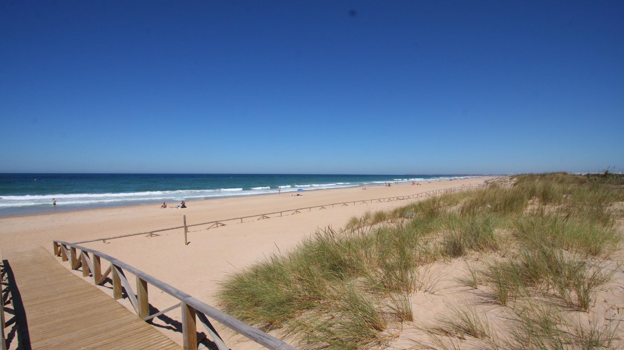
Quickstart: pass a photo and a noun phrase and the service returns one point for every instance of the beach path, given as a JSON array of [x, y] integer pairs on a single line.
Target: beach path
[[63, 311]]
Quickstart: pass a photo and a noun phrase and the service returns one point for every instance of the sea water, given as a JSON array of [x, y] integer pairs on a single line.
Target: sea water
[[22, 194]]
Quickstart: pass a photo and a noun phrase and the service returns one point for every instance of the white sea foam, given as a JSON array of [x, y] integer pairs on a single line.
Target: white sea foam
[[77, 199], [20, 204], [261, 188]]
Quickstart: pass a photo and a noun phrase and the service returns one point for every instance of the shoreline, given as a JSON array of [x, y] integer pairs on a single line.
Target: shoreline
[[190, 201], [127, 206], [94, 191]]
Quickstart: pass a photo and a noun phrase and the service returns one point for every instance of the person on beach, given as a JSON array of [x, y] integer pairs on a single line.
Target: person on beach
[[183, 205], [163, 206], [53, 201], [279, 190]]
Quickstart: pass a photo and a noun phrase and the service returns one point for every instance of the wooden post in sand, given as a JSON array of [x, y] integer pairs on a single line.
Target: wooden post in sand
[[185, 231]]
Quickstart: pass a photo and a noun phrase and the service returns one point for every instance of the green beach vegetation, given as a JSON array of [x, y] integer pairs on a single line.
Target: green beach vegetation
[[536, 249]]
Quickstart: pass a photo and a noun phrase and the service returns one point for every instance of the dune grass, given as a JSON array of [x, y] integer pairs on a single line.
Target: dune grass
[[580, 235], [542, 326], [462, 323], [546, 271], [339, 288], [472, 278]]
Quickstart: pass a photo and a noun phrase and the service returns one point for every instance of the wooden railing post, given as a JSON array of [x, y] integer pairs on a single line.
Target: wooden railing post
[[116, 283], [85, 265], [74, 258], [189, 328], [56, 248], [4, 347], [142, 297], [63, 253], [97, 270]]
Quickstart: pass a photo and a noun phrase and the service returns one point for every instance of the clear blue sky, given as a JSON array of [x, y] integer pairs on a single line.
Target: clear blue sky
[[311, 86]]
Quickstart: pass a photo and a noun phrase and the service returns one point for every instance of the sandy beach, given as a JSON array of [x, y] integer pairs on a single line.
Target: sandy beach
[[213, 253]]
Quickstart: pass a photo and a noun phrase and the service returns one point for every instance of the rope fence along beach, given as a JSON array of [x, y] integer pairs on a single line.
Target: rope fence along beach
[[90, 262], [219, 223]]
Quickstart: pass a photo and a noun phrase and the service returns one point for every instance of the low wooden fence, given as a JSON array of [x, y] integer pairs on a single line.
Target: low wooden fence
[[219, 223], [90, 262]]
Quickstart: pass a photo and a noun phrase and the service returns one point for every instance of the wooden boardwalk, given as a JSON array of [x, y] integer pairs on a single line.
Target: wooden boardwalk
[[64, 312]]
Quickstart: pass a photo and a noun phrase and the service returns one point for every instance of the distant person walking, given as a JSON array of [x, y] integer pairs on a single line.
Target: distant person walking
[[279, 190], [53, 201]]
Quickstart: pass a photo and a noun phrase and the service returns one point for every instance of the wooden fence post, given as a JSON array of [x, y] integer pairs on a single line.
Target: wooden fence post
[[186, 231], [116, 283], [189, 328], [142, 298], [56, 248]]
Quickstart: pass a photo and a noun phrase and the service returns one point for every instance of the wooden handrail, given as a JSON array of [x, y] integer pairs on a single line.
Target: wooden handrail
[[190, 305], [218, 223], [3, 346]]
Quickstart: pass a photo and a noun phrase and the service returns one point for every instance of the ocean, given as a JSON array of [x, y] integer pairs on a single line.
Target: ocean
[[22, 194]]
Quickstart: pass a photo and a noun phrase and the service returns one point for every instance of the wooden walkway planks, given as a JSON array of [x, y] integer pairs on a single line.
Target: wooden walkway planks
[[63, 311]]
